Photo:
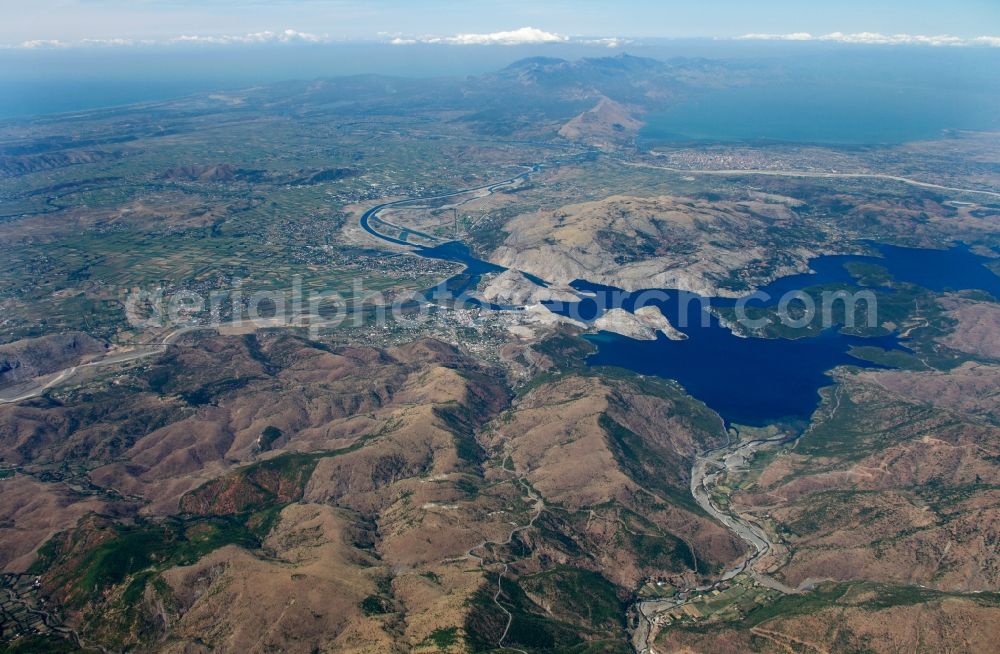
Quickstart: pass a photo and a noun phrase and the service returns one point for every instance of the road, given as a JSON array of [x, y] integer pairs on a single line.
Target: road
[[539, 507], [810, 173], [705, 471], [109, 360], [365, 223], [54, 623], [368, 215], [61, 376], [706, 468]]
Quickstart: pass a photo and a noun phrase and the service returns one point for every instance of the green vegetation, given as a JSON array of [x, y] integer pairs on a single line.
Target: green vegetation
[[529, 628], [123, 551], [645, 465], [259, 487], [829, 509], [254, 197], [869, 274], [566, 351], [586, 627], [852, 433], [201, 195], [552, 526], [889, 358], [376, 605], [704, 420], [105, 570], [580, 596], [444, 637], [744, 606], [899, 307], [942, 498], [463, 418], [268, 436], [866, 595], [256, 487]]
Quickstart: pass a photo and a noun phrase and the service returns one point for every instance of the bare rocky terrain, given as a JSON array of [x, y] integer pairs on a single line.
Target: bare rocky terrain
[[470, 484], [25, 359], [978, 328], [247, 477], [650, 242], [906, 494], [608, 126]]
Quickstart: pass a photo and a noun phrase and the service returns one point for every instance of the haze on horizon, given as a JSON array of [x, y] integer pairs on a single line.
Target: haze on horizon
[[111, 22]]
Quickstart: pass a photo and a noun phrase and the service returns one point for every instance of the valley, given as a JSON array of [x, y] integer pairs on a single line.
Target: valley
[[375, 364]]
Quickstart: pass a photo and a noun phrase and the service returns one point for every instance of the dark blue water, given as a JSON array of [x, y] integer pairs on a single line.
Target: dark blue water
[[756, 381], [749, 381], [458, 287], [952, 269], [455, 289]]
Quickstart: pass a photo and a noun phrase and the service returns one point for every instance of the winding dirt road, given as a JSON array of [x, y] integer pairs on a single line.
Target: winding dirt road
[[539, 507]]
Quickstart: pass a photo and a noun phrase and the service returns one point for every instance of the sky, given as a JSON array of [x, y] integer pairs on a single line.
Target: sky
[[68, 23]]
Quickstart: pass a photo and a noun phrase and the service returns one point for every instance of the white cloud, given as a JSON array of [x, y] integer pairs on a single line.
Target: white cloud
[[267, 36], [44, 43], [113, 42], [795, 36], [875, 38], [609, 42], [287, 36], [514, 37], [522, 36]]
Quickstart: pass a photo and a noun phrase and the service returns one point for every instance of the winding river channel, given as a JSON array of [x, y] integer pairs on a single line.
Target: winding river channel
[[706, 468], [714, 364]]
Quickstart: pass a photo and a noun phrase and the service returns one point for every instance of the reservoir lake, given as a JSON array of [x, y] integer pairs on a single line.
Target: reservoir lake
[[756, 381]]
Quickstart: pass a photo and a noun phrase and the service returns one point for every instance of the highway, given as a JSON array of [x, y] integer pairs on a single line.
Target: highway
[[810, 173], [367, 216], [108, 360]]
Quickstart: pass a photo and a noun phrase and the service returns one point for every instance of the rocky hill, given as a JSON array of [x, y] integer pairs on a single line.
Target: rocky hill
[[380, 511], [25, 359]]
